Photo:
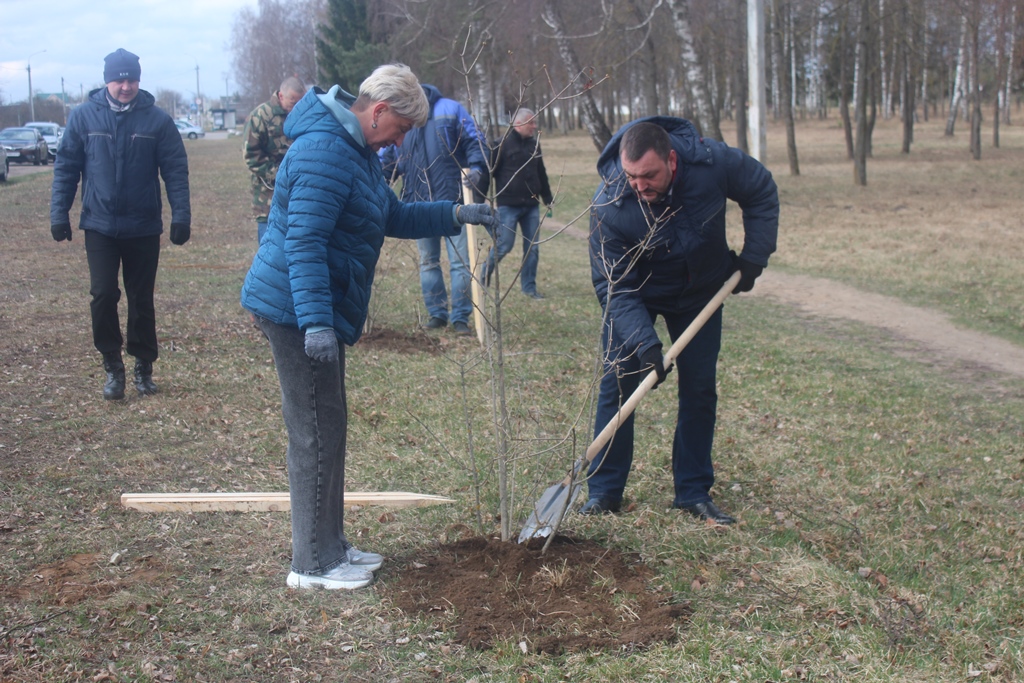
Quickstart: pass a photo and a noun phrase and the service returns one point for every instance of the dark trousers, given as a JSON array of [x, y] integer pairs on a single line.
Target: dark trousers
[[138, 257], [692, 470]]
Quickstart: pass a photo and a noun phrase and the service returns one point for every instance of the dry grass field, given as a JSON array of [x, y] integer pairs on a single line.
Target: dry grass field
[[878, 489]]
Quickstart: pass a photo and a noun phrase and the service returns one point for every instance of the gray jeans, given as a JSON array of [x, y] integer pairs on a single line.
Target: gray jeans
[[316, 416]]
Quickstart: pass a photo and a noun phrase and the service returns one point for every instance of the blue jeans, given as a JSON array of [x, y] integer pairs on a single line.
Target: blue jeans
[[316, 417], [261, 228], [432, 279], [692, 470], [528, 219]]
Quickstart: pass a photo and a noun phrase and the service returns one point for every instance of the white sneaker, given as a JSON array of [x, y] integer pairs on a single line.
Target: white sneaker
[[368, 561], [345, 576]]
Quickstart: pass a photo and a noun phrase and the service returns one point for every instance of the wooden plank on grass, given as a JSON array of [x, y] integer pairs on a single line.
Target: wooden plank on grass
[[276, 501]]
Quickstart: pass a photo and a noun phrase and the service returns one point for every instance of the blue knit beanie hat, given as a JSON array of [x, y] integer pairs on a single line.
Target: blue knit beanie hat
[[121, 64]]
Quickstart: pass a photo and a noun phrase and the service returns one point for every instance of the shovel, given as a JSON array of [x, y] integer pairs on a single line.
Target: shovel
[[551, 506]]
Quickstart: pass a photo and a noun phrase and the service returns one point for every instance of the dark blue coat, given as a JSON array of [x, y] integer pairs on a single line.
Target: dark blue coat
[[430, 159], [331, 210], [120, 159], [686, 258]]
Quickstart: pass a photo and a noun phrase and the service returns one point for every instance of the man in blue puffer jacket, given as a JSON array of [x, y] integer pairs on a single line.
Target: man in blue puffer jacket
[[309, 287], [658, 247], [119, 145], [430, 161]]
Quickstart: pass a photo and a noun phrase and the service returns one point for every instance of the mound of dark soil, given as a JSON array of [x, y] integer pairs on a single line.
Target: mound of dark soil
[[577, 596]]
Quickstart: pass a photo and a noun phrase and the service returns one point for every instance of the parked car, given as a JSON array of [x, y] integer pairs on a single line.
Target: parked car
[[24, 145], [189, 131], [52, 133]]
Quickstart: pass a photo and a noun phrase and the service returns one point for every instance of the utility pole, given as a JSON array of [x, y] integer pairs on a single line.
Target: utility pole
[[755, 79], [63, 102], [31, 100], [198, 96]]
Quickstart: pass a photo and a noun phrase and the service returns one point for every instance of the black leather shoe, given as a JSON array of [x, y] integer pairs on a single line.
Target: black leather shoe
[[707, 510], [462, 329], [113, 388], [599, 506], [436, 323], [534, 295], [144, 378]]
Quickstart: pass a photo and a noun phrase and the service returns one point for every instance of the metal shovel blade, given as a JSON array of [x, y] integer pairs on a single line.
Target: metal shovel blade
[[548, 510]]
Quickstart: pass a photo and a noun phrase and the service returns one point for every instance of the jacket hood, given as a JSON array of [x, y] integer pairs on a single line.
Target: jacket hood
[[143, 99], [686, 141], [433, 95], [320, 112]]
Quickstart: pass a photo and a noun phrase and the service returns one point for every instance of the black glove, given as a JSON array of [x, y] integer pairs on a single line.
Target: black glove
[[61, 231], [748, 273], [322, 346], [477, 214], [180, 232], [651, 360]]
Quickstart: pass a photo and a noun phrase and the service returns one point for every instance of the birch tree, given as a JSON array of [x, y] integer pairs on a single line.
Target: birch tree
[[592, 118], [860, 142], [706, 118], [957, 92]]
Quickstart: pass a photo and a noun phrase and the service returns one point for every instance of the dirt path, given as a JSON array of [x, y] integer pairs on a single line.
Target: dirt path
[[933, 336], [930, 330]]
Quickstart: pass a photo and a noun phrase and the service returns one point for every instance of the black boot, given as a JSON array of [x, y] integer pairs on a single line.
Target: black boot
[[113, 389], [144, 377]]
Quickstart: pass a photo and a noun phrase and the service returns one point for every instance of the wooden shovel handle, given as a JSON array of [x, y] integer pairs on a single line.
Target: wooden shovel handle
[[652, 377]]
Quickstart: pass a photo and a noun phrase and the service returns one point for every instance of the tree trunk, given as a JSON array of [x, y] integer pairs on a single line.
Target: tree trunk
[[958, 80], [1011, 43], [844, 76], [706, 118], [781, 11], [975, 85], [739, 87], [860, 143], [592, 119], [909, 88], [883, 63]]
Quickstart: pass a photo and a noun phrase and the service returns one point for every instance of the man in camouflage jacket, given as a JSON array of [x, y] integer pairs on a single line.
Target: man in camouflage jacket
[[266, 144]]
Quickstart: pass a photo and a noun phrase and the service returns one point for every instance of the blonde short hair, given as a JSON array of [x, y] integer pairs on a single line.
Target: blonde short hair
[[397, 85]]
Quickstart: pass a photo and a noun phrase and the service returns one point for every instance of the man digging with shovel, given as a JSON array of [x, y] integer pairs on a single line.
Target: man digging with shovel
[[658, 247]]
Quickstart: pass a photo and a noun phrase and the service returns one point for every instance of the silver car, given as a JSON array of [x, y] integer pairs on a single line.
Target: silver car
[[189, 131], [52, 133]]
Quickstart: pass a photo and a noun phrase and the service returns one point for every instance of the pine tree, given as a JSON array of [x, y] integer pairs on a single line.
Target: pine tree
[[347, 52]]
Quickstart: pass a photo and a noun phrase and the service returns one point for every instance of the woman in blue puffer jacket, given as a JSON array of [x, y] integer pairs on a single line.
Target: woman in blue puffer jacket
[[309, 289]]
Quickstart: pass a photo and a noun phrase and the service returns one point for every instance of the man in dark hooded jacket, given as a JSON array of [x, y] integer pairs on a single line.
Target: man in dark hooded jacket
[[430, 161], [119, 145], [658, 247]]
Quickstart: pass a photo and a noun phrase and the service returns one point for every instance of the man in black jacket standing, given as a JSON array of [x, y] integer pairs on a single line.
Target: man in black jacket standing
[[658, 247], [520, 179], [120, 145]]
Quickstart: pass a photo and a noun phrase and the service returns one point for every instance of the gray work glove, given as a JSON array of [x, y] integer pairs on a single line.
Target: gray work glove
[[61, 231], [472, 179], [322, 346], [652, 360], [477, 214]]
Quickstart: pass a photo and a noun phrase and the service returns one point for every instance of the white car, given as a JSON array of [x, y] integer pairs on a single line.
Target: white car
[[189, 131], [52, 133]]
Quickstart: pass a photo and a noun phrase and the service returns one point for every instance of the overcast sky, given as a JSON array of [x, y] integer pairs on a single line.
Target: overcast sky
[[170, 37]]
